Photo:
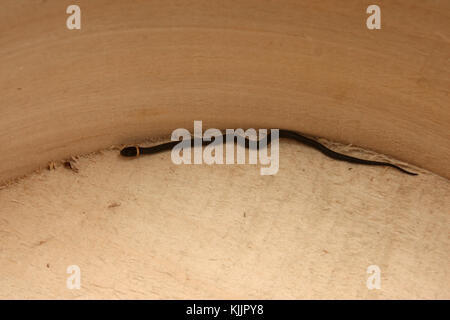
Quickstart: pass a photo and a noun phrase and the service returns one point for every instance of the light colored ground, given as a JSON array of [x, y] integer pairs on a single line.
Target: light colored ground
[[149, 229], [146, 228]]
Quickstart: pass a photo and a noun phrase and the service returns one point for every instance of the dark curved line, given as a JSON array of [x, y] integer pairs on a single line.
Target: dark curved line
[[135, 150]]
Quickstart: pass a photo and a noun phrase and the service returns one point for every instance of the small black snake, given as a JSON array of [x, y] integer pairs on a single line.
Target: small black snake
[[136, 151]]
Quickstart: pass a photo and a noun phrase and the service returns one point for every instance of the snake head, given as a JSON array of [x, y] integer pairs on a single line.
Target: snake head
[[130, 151]]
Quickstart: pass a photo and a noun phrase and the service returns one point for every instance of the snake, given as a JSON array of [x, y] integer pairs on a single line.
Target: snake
[[135, 151]]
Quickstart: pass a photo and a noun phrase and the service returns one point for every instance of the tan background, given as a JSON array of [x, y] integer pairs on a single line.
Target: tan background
[[146, 228], [140, 69]]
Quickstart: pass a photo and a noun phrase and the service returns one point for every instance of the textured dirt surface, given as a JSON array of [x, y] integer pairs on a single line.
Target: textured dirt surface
[[146, 228]]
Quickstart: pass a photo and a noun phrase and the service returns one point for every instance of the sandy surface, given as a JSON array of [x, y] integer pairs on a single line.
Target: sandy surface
[[146, 228]]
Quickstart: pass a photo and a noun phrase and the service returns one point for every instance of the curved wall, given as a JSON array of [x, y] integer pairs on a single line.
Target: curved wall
[[138, 69]]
